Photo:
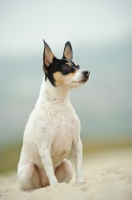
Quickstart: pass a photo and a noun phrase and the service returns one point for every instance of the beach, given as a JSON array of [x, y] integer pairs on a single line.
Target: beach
[[107, 176]]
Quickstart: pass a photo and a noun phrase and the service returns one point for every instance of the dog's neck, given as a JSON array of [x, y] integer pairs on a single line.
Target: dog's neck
[[54, 94]]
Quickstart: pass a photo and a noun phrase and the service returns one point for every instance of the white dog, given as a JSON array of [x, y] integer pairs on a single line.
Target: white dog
[[53, 126]]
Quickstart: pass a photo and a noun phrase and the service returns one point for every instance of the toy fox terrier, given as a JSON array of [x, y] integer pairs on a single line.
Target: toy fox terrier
[[53, 127]]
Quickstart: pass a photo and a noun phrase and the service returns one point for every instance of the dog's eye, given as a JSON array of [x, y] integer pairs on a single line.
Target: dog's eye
[[66, 67]]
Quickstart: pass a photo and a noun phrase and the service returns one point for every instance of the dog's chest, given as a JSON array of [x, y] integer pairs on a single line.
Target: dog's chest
[[56, 125], [63, 125], [64, 133]]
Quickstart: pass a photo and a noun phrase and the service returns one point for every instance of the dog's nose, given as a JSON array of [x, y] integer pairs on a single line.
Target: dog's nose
[[87, 73]]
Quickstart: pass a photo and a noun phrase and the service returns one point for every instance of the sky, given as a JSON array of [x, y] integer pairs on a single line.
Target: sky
[[101, 36], [25, 23]]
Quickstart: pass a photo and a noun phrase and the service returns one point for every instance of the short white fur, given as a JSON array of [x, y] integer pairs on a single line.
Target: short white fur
[[52, 130]]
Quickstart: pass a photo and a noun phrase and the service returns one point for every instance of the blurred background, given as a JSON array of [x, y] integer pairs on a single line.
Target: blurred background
[[101, 36]]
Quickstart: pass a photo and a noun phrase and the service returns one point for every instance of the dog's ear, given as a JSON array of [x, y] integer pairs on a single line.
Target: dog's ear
[[68, 53], [48, 57]]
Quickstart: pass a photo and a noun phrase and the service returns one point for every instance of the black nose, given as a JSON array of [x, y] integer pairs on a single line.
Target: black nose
[[86, 73]]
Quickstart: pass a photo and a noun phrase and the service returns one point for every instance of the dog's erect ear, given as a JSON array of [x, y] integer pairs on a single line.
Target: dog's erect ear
[[68, 53], [48, 56]]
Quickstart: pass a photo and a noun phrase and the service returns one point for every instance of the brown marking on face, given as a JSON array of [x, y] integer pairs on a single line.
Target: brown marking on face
[[61, 79]]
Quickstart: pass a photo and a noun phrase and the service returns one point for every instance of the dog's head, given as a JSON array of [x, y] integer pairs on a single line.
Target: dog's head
[[63, 71]]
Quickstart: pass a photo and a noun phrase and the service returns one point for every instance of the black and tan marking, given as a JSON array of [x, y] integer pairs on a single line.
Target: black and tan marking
[[59, 71]]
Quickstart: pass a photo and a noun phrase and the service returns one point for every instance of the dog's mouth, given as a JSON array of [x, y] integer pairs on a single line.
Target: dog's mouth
[[84, 80]]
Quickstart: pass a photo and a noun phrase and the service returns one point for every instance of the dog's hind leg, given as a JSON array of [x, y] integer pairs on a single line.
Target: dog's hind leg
[[64, 171], [28, 177]]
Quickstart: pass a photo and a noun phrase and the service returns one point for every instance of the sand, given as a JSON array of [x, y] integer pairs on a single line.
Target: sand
[[107, 176]]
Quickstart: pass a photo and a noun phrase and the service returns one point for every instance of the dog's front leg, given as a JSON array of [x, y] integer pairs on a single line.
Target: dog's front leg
[[48, 165], [77, 154]]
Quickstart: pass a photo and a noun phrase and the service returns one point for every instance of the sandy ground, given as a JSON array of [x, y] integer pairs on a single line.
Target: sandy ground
[[108, 176]]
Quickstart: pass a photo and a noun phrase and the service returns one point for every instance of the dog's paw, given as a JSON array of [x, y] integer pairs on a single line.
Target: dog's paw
[[80, 180]]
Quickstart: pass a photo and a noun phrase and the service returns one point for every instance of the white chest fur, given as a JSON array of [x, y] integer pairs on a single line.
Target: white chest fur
[[53, 123], [52, 129]]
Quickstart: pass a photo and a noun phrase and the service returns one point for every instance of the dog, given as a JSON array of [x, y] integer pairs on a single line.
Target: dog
[[53, 127]]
